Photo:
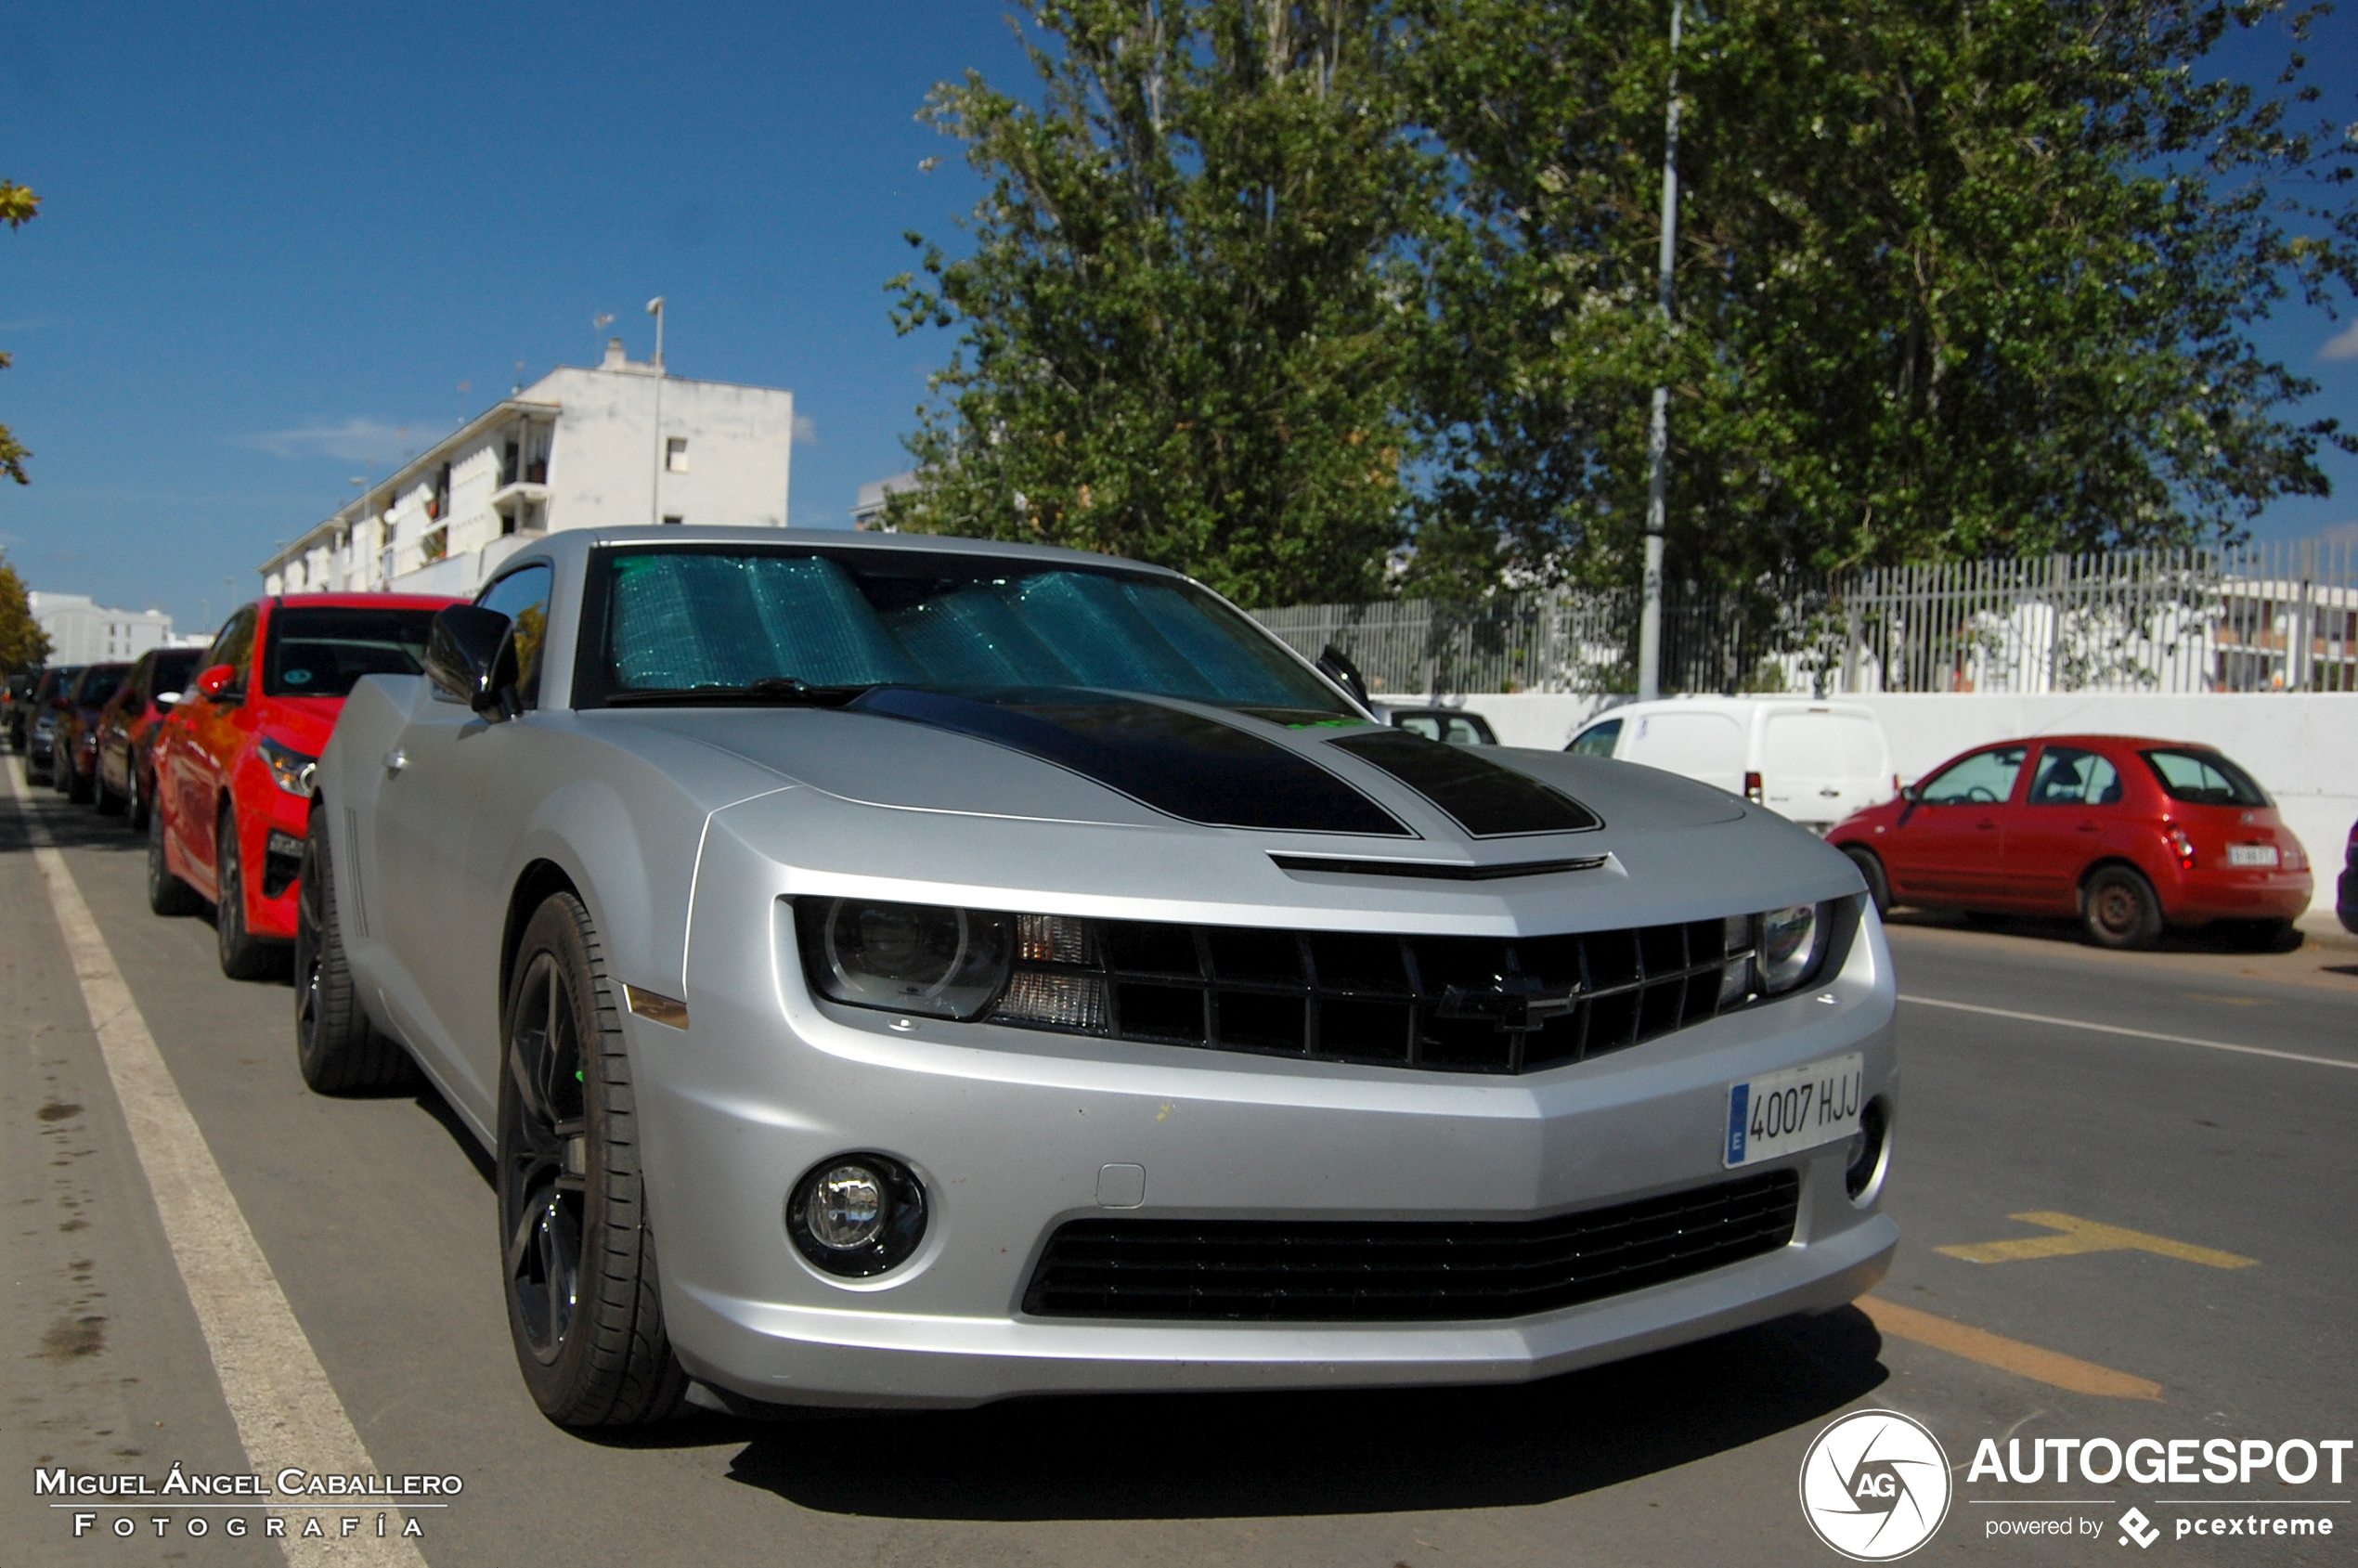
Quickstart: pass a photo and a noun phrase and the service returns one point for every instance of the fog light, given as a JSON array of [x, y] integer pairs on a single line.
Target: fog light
[[1858, 1175], [857, 1216]]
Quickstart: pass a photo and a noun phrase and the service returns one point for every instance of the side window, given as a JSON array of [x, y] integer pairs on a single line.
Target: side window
[[234, 646], [2067, 776], [1598, 739], [1985, 777], [1423, 724], [522, 597]]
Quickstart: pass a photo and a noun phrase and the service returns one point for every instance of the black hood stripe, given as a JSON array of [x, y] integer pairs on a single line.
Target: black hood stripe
[[1185, 764], [1485, 798]]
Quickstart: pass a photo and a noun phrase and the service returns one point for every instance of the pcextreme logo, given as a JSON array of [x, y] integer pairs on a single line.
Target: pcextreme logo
[[1874, 1485]]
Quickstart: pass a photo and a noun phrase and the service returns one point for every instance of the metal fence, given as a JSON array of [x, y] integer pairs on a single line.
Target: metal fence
[[2281, 617]]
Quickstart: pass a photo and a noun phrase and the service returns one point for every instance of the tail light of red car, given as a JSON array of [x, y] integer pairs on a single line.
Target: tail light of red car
[[2181, 845]]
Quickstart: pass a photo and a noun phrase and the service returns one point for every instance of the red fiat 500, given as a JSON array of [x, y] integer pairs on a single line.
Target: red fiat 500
[[2130, 835], [233, 759]]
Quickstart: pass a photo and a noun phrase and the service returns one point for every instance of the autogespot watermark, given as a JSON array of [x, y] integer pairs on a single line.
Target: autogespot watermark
[[1876, 1485], [293, 1504]]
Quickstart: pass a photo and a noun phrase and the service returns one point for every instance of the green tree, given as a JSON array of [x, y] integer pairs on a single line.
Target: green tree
[[23, 645], [18, 207], [1181, 316], [1953, 279]]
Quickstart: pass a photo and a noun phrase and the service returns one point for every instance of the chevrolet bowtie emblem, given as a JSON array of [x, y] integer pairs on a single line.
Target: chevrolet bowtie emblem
[[1515, 1003]]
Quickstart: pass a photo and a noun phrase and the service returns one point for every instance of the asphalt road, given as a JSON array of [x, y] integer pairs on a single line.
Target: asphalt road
[[376, 1216]]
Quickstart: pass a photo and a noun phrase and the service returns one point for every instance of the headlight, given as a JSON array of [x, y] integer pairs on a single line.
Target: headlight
[[911, 958], [1789, 940], [290, 770]]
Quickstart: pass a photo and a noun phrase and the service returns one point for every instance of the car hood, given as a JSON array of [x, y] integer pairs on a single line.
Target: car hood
[[1105, 803]]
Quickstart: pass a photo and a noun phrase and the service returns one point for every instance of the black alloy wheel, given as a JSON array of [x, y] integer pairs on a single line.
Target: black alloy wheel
[[576, 1258], [244, 956], [338, 1051], [167, 895], [2119, 909]]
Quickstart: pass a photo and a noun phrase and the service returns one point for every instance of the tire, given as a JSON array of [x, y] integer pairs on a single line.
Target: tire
[[2119, 909], [109, 804], [244, 956], [1870, 867], [167, 895], [136, 809], [337, 1049], [577, 1259]]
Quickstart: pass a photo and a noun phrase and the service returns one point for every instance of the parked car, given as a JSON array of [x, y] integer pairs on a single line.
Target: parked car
[[2346, 890], [232, 761], [1454, 725], [48, 706], [1810, 762], [1085, 994], [16, 709], [127, 779], [2128, 833], [75, 770]]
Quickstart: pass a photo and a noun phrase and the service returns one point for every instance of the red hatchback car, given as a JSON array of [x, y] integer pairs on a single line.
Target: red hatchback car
[[233, 758], [2129, 834]]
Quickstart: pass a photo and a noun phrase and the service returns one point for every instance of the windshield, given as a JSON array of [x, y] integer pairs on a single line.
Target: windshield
[[2204, 778], [724, 621], [101, 682], [321, 653]]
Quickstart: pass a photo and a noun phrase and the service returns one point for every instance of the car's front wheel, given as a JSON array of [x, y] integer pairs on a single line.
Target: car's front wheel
[[2120, 909], [244, 956], [336, 1047], [578, 1259], [166, 893]]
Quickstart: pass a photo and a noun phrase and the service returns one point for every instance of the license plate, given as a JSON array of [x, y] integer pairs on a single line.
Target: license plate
[[1800, 1108], [2251, 854]]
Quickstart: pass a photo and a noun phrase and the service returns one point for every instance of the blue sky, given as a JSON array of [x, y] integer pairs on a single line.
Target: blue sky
[[278, 240]]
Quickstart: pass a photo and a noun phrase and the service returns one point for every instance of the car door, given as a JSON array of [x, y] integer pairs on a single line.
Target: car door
[[1697, 743], [1818, 766], [1946, 845], [214, 729], [2069, 816], [444, 823]]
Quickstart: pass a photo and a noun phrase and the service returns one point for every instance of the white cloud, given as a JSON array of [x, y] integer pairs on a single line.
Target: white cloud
[[356, 440], [806, 434], [2342, 344]]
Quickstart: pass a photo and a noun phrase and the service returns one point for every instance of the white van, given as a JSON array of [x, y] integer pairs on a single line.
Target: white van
[[1810, 762]]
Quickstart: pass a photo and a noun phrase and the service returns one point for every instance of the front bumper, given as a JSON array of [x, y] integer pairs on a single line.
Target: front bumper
[[1008, 1130]]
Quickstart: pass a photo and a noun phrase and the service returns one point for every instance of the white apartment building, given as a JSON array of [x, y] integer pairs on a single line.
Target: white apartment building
[[618, 446], [83, 631]]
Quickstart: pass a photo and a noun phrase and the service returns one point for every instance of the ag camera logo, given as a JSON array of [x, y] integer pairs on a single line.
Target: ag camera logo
[[1874, 1485]]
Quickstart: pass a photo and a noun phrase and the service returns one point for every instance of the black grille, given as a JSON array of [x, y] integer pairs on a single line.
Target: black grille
[[1340, 1270], [1453, 1004]]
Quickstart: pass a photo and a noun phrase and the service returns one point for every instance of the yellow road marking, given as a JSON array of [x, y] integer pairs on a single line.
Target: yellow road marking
[[2075, 1236], [2008, 1356]]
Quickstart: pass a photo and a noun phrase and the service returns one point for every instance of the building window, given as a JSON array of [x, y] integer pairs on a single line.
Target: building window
[[673, 521], [675, 454]]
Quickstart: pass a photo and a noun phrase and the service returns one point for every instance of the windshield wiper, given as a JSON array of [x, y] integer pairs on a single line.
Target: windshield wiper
[[771, 691]]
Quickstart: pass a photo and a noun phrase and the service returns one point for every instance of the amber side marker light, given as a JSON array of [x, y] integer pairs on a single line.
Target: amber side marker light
[[654, 1005]]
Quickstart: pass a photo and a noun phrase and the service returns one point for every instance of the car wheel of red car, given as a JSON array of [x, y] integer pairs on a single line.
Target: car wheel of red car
[[2120, 909], [167, 895], [1870, 867], [338, 1050], [243, 955]]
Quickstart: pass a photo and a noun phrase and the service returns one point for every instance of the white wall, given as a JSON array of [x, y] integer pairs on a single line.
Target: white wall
[[2303, 748]]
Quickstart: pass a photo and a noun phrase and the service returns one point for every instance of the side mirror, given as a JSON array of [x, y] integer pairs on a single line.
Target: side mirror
[[216, 681], [1335, 667], [1911, 794], [471, 657]]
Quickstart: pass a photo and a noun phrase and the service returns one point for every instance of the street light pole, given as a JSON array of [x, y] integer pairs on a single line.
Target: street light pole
[[1658, 436], [654, 487]]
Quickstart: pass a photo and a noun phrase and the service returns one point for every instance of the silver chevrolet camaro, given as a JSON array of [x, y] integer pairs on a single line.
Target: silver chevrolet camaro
[[904, 971]]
